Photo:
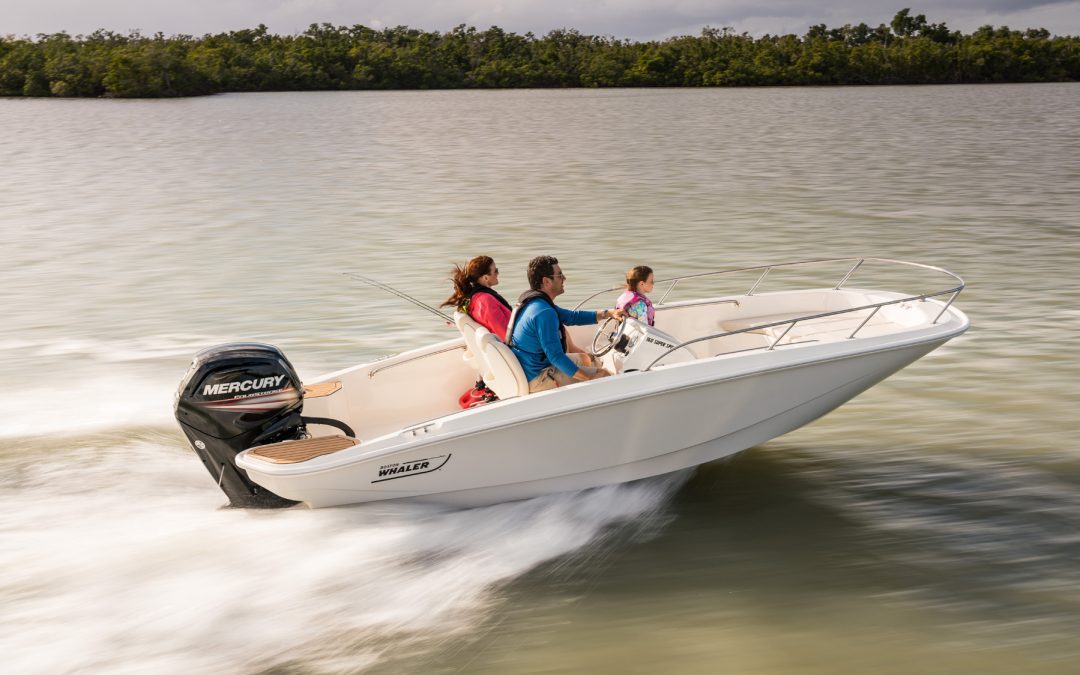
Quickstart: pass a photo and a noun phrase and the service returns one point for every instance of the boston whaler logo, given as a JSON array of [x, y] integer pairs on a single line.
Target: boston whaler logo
[[243, 385], [412, 467]]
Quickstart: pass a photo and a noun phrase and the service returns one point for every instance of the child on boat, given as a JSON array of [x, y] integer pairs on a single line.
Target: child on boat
[[639, 281]]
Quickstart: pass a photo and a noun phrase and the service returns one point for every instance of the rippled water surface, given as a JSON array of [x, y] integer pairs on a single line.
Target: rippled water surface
[[930, 525]]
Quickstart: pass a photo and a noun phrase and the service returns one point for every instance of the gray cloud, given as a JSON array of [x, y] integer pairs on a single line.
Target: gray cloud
[[636, 19]]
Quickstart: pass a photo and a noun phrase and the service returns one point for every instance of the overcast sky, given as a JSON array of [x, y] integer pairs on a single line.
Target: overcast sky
[[636, 19]]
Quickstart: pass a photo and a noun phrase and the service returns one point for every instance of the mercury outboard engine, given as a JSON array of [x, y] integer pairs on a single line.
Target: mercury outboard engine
[[236, 396]]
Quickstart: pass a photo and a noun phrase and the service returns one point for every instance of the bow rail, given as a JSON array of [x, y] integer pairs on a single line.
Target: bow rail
[[952, 291]]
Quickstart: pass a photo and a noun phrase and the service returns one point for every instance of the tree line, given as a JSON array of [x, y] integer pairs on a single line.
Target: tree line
[[909, 50]]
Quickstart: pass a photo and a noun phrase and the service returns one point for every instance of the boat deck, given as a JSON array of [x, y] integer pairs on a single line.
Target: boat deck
[[292, 452]]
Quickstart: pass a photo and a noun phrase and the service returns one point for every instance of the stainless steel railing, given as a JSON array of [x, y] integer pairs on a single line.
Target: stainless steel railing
[[953, 292]]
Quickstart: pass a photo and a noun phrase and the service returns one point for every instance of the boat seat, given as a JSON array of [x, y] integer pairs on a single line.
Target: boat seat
[[502, 373], [824, 328], [291, 452], [751, 322], [468, 327]]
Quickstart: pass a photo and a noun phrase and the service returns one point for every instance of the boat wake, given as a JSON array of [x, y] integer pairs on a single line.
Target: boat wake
[[84, 384], [130, 564], [89, 404]]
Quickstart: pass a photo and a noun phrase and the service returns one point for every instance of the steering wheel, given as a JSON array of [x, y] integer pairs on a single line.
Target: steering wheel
[[607, 336]]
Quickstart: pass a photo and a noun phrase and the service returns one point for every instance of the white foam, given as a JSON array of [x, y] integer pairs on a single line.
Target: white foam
[[119, 350], [139, 571], [71, 405]]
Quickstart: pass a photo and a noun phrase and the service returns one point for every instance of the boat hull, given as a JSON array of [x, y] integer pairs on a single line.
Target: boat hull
[[626, 428]]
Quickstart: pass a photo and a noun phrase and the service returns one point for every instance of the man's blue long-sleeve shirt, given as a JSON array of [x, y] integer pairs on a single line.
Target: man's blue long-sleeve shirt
[[536, 340]]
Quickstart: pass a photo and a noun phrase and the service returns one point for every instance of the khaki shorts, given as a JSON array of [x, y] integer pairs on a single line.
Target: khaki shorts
[[552, 377]]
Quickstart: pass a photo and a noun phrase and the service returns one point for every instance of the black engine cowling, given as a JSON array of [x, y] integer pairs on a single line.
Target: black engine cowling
[[233, 397]]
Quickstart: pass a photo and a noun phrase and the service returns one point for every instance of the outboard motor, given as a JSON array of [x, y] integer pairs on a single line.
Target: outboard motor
[[236, 396]]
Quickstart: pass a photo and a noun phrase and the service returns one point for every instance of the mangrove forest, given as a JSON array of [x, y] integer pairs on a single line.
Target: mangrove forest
[[909, 50]]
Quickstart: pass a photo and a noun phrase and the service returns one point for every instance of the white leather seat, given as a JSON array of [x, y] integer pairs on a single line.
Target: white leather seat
[[502, 373], [468, 328]]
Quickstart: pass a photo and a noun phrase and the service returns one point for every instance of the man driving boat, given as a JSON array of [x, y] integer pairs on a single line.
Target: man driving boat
[[536, 331]]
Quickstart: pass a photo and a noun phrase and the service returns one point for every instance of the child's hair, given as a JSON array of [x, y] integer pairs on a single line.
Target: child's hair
[[635, 275]]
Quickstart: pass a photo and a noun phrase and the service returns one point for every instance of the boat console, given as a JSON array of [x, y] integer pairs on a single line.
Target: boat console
[[629, 345]]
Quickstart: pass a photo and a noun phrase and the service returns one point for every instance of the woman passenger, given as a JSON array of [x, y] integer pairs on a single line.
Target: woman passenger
[[639, 281], [474, 295]]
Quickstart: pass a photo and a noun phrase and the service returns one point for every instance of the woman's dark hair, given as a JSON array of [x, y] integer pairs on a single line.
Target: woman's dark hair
[[465, 279], [539, 267], [636, 275]]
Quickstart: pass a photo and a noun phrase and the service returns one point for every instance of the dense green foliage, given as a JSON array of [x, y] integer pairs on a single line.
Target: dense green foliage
[[908, 51]]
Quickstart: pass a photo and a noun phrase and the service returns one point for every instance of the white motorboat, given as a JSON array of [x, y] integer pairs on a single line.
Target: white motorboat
[[716, 375]]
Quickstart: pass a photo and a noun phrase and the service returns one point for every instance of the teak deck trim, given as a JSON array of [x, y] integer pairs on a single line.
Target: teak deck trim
[[321, 389], [291, 452]]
